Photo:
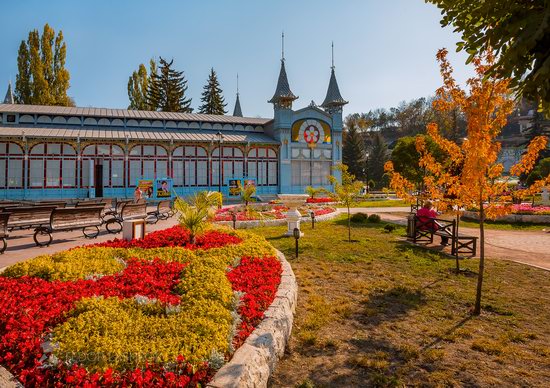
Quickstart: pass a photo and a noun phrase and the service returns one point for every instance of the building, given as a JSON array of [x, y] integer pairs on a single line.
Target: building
[[51, 152]]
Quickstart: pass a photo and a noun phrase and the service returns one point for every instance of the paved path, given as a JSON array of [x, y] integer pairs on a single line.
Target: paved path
[[531, 247]]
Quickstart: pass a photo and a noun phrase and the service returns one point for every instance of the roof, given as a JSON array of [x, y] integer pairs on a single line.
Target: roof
[[110, 133], [129, 114], [283, 91], [237, 112], [333, 97]]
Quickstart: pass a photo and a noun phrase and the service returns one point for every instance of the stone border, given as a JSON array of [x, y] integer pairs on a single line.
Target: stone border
[[513, 218], [254, 362], [275, 222], [7, 380]]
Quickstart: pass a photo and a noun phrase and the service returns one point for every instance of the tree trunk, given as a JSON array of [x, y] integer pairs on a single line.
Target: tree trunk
[[477, 308], [349, 226]]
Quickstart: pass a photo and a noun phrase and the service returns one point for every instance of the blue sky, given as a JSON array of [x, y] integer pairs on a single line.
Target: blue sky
[[384, 49]]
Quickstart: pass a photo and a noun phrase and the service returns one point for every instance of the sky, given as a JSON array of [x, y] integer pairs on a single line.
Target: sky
[[384, 49]]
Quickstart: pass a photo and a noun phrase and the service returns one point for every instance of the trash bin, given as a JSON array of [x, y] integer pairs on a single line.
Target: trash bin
[[410, 225]]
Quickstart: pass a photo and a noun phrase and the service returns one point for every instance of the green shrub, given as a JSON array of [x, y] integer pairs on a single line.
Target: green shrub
[[359, 218], [389, 228], [375, 218]]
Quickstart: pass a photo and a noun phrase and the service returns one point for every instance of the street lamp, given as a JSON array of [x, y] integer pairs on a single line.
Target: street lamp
[[219, 136], [296, 233], [312, 214]]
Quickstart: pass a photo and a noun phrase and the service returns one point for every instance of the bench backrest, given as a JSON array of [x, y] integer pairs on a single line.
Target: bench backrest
[[58, 204], [67, 218], [164, 206], [106, 203], [435, 224], [131, 211], [4, 217], [29, 215]]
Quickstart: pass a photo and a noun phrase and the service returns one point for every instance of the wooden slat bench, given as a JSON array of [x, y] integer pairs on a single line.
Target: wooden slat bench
[[28, 217], [106, 203], [4, 218], [163, 212], [57, 204], [426, 228], [87, 218], [128, 211]]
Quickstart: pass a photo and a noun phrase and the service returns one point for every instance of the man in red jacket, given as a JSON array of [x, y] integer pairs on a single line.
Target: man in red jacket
[[427, 213]]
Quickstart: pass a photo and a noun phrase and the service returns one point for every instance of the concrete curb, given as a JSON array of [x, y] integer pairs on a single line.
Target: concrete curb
[[277, 222], [254, 362], [7, 380], [513, 218]]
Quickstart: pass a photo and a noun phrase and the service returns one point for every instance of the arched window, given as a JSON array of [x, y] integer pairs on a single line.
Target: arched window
[[147, 162], [52, 165], [232, 164], [263, 166], [190, 166], [112, 158], [11, 166]]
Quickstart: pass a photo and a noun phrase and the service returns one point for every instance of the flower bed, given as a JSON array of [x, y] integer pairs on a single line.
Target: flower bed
[[152, 312], [271, 212], [320, 200], [528, 209]]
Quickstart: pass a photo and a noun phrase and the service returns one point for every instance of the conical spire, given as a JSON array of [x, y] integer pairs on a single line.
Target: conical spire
[[9, 96], [237, 112], [283, 96], [333, 101]]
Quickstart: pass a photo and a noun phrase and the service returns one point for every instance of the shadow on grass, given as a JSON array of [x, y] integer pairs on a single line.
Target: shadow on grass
[[448, 333]]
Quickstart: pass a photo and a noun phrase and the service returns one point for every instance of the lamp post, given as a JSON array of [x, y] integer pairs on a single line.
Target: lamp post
[[219, 136], [297, 235], [234, 219], [312, 214]]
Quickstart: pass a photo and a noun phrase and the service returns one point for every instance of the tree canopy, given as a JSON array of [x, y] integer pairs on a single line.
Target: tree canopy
[[42, 78], [212, 99], [518, 31], [166, 89], [138, 85], [353, 152]]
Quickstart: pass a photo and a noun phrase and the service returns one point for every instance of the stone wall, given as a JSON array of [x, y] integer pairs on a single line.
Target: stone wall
[[513, 218]]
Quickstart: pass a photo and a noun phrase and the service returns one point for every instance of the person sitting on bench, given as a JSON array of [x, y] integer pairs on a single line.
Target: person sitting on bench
[[427, 213]]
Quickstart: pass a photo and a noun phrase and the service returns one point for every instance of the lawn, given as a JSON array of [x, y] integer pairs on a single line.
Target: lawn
[[379, 312]]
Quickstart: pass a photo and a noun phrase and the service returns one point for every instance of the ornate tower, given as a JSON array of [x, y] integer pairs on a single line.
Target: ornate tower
[[9, 96]]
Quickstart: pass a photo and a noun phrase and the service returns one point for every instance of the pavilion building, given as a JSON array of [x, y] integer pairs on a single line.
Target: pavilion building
[[49, 152]]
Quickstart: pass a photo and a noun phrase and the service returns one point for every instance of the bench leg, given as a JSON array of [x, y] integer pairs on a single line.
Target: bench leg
[[4, 245], [113, 226], [152, 218], [90, 231], [42, 237]]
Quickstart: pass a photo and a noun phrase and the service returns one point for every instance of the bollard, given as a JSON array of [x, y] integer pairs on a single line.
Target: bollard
[[297, 236], [312, 214]]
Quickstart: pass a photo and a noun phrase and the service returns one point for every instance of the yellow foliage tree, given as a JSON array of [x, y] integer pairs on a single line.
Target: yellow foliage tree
[[471, 176]]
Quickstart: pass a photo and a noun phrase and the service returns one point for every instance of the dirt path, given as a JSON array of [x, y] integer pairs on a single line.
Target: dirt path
[[526, 247]]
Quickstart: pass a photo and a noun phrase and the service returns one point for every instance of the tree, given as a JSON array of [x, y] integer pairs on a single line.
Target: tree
[[353, 153], [138, 85], [195, 212], [42, 78], [519, 32], [212, 99], [541, 170], [405, 157], [478, 183], [378, 155], [166, 89], [248, 194], [345, 191]]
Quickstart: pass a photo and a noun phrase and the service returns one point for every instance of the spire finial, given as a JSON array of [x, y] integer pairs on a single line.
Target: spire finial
[[332, 55], [283, 46], [237, 84]]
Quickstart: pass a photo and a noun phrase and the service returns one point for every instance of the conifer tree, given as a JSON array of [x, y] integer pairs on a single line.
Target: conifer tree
[[212, 99], [166, 89], [378, 155], [42, 78], [353, 153]]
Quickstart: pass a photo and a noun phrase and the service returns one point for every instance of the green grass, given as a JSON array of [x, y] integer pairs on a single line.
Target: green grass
[[379, 203], [379, 312]]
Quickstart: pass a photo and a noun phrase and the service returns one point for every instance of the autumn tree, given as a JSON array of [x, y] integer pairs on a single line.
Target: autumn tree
[[212, 99], [470, 176], [42, 78], [138, 84], [166, 89], [345, 190]]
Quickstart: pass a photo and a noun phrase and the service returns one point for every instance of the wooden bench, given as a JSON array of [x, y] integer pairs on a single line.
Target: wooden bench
[[128, 211], [424, 230], [57, 204], [106, 203], [28, 217], [4, 218], [87, 218], [163, 212]]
